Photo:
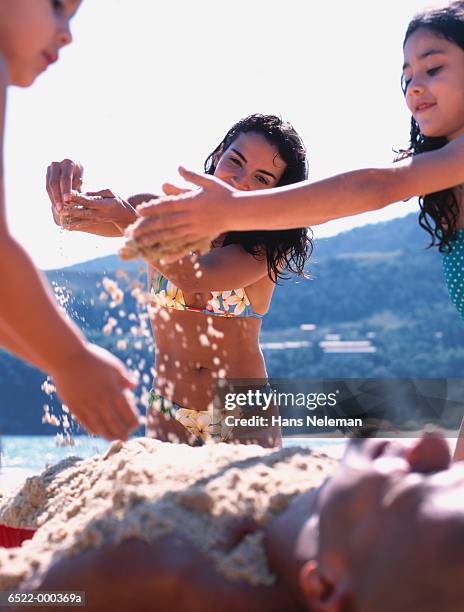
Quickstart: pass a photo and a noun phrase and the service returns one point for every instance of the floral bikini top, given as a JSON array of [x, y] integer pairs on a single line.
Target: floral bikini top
[[233, 303]]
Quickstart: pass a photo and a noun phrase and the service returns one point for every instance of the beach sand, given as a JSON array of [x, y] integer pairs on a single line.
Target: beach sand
[[145, 489]]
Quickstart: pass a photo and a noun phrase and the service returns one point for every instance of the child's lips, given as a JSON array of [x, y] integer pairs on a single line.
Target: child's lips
[[424, 106], [50, 58]]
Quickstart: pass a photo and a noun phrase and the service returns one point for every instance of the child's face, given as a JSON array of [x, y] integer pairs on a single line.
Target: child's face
[[433, 75], [31, 34]]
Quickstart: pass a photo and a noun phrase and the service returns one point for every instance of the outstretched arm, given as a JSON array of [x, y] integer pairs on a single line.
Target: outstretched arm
[[102, 213], [217, 208]]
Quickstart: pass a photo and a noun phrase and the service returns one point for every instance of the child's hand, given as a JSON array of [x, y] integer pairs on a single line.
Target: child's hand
[[187, 221], [96, 386], [172, 190], [62, 178]]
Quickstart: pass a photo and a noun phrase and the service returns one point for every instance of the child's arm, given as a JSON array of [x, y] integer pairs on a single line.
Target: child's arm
[[217, 208], [89, 380]]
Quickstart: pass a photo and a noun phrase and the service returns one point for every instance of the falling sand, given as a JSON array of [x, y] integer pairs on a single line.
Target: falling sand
[[145, 489]]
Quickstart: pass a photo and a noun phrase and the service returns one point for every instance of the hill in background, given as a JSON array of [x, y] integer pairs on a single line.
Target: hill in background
[[377, 283]]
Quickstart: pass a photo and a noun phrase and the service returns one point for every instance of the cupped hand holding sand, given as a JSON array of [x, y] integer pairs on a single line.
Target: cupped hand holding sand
[[62, 178], [183, 222], [167, 252], [84, 211], [94, 384]]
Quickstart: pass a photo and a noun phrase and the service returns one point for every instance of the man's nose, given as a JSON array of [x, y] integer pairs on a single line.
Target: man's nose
[[429, 453]]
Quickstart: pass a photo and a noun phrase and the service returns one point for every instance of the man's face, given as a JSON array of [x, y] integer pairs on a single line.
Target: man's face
[[388, 500]]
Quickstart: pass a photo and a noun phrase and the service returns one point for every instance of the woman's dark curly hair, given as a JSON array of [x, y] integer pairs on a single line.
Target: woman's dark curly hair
[[284, 249], [439, 210]]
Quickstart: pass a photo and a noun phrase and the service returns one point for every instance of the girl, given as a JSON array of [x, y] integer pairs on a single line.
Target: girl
[[433, 168], [88, 379], [207, 323]]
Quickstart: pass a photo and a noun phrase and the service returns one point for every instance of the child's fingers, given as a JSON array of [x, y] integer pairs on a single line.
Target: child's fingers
[[127, 412], [171, 190], [166, 206], [90, 420], [202, 180], [166, 224], [154, 236]]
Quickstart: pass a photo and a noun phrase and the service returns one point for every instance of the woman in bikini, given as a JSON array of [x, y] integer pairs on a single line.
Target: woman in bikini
[[207, 310]]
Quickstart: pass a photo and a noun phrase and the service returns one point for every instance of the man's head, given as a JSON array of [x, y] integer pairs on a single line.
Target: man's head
[[391, 531]]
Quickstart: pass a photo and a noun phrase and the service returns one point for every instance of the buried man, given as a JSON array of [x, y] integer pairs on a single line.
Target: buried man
[[385, 533]]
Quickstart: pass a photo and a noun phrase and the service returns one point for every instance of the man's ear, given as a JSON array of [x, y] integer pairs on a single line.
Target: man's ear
[[320, 593]]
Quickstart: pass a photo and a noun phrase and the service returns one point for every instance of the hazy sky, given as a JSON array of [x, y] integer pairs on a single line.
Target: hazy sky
[[148, 85]]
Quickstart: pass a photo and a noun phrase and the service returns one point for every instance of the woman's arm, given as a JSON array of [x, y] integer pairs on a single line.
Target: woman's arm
[[216, 207], [98, 212], [221, 269], [102, 213]]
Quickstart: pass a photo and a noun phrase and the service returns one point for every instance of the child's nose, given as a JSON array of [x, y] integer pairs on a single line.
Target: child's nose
[[64, 35], [415, 86]]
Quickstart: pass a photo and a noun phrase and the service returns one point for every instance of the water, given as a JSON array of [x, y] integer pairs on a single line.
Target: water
[[34, 453]]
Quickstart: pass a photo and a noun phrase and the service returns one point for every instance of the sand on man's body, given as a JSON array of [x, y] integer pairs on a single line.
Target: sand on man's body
[[145, 489]]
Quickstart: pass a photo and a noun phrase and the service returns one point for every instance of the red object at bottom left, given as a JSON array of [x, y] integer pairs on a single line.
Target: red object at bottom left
[[11, 537]]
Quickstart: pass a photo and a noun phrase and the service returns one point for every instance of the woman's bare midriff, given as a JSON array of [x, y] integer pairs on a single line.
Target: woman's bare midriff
[[194, 349]]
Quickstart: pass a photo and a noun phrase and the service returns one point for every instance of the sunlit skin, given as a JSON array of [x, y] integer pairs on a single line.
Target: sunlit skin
[[32, 33], [433, 79], [192, 349], [405, 498], [249, 163], [408, 500], [434, 74]]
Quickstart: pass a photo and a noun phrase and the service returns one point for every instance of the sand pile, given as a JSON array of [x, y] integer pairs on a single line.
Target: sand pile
[[145, 488]]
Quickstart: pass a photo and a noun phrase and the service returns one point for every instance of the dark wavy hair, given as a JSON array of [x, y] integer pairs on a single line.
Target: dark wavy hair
[[439, 210], [284, 249]]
